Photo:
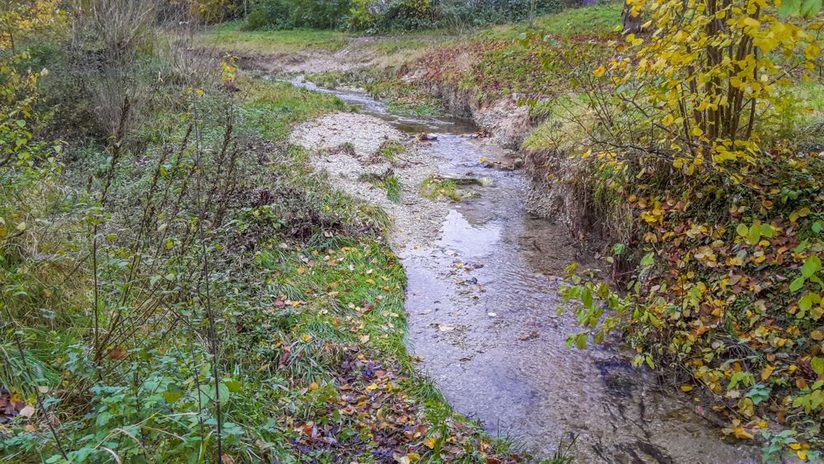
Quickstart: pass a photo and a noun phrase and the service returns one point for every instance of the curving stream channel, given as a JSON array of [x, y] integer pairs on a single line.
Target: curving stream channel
[[482, 301]]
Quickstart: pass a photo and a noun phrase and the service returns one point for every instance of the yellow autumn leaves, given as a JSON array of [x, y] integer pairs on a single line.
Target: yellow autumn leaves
[[708, 71]]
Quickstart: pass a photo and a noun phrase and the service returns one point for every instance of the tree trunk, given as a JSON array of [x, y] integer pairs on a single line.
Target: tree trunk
[[632, 24]]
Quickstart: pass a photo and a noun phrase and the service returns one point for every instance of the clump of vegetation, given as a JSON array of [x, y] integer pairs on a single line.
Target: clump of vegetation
[[387, 181], [390, 150], [394, 15], [422, 14], [290, 14], [688, 136], [434, 187]]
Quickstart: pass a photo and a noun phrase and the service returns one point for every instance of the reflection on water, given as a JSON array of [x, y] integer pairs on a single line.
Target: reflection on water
[[474, 240], [369, 105]]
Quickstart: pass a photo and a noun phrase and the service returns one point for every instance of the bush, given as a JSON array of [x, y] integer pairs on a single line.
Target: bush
[[388, 15], [289, 14], [727, 233], [407, 15]]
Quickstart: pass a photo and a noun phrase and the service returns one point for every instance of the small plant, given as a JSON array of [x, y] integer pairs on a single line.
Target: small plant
[[386, 181], [434, 187], [393, 189], [390, 150]]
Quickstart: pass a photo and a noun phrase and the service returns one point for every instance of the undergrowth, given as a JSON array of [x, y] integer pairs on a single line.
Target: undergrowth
[[179, 285]]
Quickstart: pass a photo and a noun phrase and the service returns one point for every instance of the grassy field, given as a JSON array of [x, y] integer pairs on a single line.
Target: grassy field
[[595, 20], [231, 37]]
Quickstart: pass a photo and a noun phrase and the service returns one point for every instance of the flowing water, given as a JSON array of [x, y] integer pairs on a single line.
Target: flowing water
[[482, 311]]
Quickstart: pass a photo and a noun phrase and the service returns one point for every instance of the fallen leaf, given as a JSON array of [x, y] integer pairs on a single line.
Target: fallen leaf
[[27, 412]]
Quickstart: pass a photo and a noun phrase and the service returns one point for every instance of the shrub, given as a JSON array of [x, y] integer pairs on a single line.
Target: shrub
[[388, 15], [289, 14], [727, 217]]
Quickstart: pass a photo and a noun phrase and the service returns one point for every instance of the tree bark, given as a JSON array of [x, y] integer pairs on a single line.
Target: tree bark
[[632, 24]]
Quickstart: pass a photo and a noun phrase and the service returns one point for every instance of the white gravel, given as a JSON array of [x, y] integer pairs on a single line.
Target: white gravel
[[416, 219], [363, 132]]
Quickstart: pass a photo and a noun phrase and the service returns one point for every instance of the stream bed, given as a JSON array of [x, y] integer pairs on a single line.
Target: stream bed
[[482, 302]]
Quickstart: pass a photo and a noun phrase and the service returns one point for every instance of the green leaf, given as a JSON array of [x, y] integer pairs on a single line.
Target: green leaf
[[742, 230], [796, 284], [647, 260], [586, 298], [767, 230], [817, 226], [172, 394], [811, 265], [742, 377], [234, 386], [818, 366], [789, 7], [758, 393], [806, 302], [754, 235]]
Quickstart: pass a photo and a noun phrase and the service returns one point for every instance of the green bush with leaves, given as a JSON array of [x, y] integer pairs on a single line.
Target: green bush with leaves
[[290, 14], [393, 15]]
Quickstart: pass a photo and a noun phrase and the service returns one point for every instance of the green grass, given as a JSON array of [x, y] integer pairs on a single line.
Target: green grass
[[599, 19], [391, 149], [272, 108], [230, 36], [393, 189], [593, 20], [389, 183]]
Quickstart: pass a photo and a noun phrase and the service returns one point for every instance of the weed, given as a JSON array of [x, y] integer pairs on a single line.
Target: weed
[[386, 181], [393, 189], [390, 150], [434, 187]]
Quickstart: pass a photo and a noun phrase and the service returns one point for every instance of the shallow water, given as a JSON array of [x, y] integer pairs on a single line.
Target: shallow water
[[482, 311]]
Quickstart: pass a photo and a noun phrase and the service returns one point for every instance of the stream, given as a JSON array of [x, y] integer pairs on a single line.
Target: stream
[[482, 302]]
